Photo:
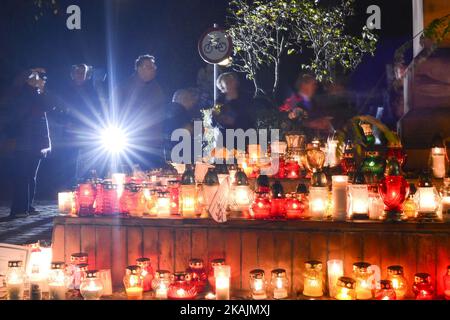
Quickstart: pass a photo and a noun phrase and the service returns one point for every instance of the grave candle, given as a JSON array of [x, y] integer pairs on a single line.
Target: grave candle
[[335, 271], [222, 275], [339, 197], [279, 284]]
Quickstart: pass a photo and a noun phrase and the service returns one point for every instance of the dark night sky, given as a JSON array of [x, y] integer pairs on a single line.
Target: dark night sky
[[168, 29]]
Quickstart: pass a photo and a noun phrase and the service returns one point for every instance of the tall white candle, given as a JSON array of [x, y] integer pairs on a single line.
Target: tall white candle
[[222, 275], [438, 162], [339, 197], [318, 200], [335, 271]]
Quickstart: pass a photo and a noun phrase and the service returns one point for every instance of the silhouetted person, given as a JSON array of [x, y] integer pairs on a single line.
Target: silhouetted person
[[335, 102], [235, 105], [303, 99], [140, 108], [181, 114], [84, 103], [29, 129]]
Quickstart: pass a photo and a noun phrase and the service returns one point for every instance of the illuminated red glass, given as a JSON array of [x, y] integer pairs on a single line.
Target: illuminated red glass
[[294, 207], [278, 208], [292, 170], [198, 273], [146, 272], [393, 190], [261, 206], [107, 200], [386, 291], [85, 199], [174, 192], [281, 174], [422, 287], [181, 287]]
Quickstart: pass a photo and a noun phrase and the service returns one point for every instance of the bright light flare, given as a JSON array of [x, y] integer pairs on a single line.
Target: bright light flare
[[114, 139]]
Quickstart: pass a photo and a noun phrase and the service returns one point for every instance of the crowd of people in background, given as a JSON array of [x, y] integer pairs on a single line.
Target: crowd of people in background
[[141, 103]]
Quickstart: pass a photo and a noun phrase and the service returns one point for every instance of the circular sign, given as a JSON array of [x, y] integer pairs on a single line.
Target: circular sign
[[215, 46]]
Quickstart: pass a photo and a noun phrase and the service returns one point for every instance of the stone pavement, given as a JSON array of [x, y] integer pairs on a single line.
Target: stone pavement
[[30, 229]]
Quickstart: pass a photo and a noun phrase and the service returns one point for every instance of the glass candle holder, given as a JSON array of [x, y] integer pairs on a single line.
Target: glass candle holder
[[278, 202], [133, 282], [261, 206], [376, 204], [151, 198], [211, 276], [318, 201], [107, 199], [313, 279], [173, 188], [160, 284], [92, 287], [348, 162], [386, 291], [315, 157], [365, 281], [279, 284], [445, 202], [346, 289], [85, 196], [146, 272], [241, 197], [258, 284], [438, 161], [373, 167], [339, 197], [38, 267], [335, 269], [163, 204], [78, 275], [295, 208], [198, 273], [66, 203], [292, 169], [397, 278], [427, 201], [57, 281], [188, 201], [393, 189], [73, 270], [133, 201], [447, 284], [332, 159], [358, 201], [422, 287], [222, 274], [15, 280], [181, 287]]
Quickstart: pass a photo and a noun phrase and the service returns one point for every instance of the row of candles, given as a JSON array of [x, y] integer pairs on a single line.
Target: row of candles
[[348, 199], [364, 283]]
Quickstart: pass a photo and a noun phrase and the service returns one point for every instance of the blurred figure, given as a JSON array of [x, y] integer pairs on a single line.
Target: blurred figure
[[141, 108], [303, 99], [181, 114], [335, 102], [84, 102], [29, 128], [235, 105]]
